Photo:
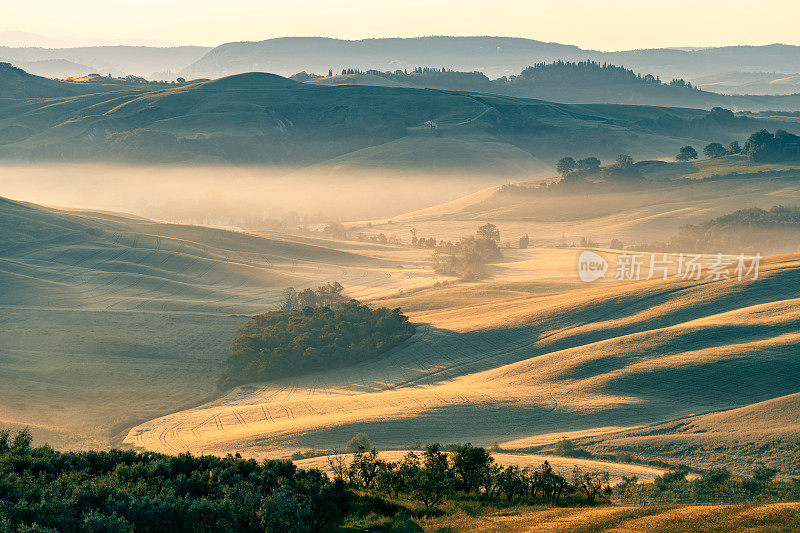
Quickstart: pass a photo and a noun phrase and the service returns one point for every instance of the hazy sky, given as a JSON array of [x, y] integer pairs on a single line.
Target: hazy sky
[[601, 24]]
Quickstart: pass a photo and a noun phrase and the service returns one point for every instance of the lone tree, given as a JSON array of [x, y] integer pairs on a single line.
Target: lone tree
[[524, 241], [565, 165], [624, 161], [686, 153], [489, 232], [714, 150], [361, 442], [591, 483]]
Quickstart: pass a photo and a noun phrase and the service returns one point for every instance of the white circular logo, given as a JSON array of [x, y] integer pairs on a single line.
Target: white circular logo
[[591, 266]]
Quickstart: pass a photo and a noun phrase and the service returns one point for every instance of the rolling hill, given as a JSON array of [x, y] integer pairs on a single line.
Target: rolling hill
[[16, 83], [108, 319], [263, 118], [527, 357]]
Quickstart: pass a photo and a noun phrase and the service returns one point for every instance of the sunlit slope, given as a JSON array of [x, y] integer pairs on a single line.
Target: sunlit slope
[[765, 432], [772, 517], [504, 367], [108, 319]]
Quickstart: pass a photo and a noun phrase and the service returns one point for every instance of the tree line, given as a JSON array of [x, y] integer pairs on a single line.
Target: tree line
[[762, 146], [46, 491], [438, 473]]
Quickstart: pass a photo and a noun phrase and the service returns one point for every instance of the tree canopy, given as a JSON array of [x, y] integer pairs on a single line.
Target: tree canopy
[[297, 341]]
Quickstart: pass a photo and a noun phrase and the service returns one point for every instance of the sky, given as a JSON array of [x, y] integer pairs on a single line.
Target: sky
[[603, 25]]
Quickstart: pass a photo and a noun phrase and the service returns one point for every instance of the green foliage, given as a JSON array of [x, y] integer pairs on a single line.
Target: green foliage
[[565, 447], [714, 150], [296, 341], [686, 153], [360, 442], [468, 258], [592, 483], [623, 170], [715, 485], [764, 146], [328, 295], [489, 232], [122, 491], [565, 165]]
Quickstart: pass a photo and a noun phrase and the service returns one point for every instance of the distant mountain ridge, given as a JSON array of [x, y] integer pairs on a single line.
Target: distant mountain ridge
[[115, 60], [494, 56], [568, 82]]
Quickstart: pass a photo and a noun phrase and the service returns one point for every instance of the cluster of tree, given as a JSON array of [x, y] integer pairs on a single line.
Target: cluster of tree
[[46, 491], [764, 146], [539, 74], [468, 258], [438, 473], [746, 230], [761, 146], [558, 71], [715, 150], [715, 485], [328, 295], [379, 238], [680, 82], [423, 242], [297, 341], [568, 166], [623, 169]]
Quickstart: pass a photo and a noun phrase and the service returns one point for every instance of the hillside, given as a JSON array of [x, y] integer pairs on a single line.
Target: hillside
[[493, 56], [16, 83], [263, 118], [769, 428], [530, 352]]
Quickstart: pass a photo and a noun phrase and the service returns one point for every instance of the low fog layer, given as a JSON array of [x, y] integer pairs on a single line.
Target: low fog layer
[[236, 196]]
